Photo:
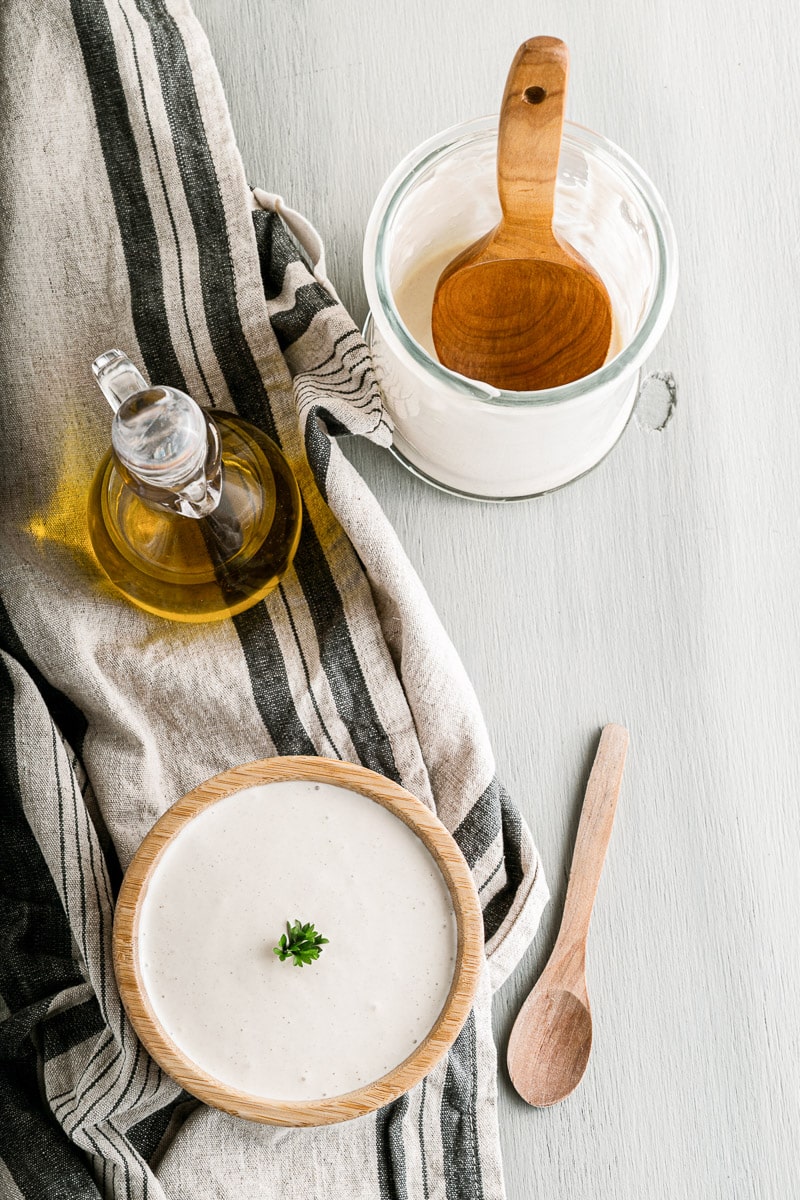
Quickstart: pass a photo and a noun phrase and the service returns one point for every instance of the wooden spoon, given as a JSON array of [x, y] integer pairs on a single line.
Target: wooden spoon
[[520, 309], [552, 1036]]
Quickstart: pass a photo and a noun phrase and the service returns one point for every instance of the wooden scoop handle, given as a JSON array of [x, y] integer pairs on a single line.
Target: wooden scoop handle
[[529, 143], [594, 831]]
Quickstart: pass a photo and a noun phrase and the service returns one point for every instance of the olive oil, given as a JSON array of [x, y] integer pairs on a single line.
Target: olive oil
[[193, 516]]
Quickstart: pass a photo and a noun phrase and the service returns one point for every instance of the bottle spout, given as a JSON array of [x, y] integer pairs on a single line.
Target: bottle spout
[[117, 377]]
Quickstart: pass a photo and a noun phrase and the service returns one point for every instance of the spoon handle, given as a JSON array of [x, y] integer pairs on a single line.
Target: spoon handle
[[594, 832], [529, 140]]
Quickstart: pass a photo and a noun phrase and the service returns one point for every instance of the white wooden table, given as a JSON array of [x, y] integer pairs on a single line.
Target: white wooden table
[[660, 591]]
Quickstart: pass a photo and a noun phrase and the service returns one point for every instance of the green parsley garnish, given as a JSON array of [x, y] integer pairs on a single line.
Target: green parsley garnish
[[300, 942]]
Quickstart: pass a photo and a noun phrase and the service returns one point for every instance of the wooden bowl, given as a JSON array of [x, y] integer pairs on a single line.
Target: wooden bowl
[[469, 952]]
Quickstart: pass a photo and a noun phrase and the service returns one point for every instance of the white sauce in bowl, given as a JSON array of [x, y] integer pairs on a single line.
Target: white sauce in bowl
[[218, 901]]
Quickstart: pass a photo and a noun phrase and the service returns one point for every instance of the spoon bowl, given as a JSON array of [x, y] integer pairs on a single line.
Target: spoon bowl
[[544, 319], [553, 1060], [520, 309]]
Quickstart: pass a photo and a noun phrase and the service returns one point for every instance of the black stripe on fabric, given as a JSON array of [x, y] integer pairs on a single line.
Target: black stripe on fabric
[[391, 1154], [95, 827], [481, 825], [120, 1051], [275, 251], [68, 1028], [66, 715], [270, 683], [339, 659], [498, 908], [157, 1129], [462, 1165], [40, 1159], [61, 834], [114, 1148], [320, 718], [204, 201], [421, 1127], [135, 220], [94, 867], [16, 1029], [290, 324], [168, 205], [341, 368], [318, 451], [36, 963]]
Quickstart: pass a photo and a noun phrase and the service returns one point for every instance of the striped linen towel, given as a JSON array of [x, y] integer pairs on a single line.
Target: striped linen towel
[[126, 221]]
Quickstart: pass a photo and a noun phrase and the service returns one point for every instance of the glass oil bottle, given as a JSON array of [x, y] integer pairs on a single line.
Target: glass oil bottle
[[193, 516]]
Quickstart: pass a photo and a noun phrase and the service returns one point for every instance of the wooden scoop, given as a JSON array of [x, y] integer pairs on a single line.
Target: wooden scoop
[[520, 309], [552, 1036]]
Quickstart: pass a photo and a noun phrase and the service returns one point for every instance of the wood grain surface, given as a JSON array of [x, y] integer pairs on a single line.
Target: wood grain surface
[[466, 974], [659, 591]]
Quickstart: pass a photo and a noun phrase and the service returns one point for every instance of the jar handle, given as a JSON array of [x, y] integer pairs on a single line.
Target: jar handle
[[656, 400]]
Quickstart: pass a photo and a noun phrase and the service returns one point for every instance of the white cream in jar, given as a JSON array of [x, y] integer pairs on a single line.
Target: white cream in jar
[[218, 901], [463, 435]]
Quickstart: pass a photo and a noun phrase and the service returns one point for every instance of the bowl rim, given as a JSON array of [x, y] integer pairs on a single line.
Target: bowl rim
[[393, 329], [466, 974]]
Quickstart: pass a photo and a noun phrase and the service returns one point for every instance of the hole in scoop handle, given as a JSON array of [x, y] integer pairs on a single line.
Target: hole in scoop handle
[[529, 139]]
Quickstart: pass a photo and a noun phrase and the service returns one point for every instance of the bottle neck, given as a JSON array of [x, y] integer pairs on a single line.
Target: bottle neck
[[166, 447], [185, 479]]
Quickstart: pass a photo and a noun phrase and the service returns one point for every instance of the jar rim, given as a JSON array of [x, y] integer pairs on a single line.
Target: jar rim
[[384, 310]]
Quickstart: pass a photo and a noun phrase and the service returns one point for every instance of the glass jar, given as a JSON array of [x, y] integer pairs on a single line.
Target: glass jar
[[465, 436]]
